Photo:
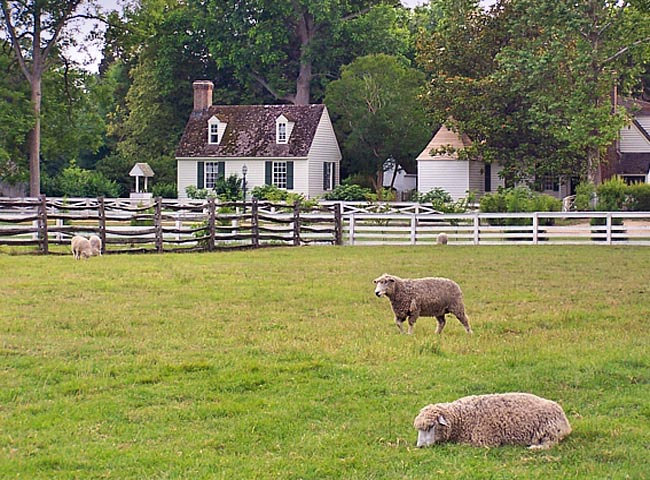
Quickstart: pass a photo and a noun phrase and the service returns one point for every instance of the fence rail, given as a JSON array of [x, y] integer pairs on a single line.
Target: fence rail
[[190, 225]]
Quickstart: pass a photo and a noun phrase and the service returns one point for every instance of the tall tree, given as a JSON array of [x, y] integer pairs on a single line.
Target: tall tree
[[285, 45], [378, 115], [34, 28], [530, 80]]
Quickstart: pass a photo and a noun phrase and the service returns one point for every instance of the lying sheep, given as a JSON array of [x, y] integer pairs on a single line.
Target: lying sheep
[[493, 420], [429, 297], [96, 244], [81, 247]]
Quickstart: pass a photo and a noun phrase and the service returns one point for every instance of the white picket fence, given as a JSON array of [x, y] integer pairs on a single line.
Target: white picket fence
[[557, 228]]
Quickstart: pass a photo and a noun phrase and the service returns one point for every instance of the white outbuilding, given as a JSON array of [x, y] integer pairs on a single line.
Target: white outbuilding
[[439, 166]]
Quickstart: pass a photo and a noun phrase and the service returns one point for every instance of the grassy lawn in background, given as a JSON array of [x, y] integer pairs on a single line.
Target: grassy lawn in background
[[282, 364]]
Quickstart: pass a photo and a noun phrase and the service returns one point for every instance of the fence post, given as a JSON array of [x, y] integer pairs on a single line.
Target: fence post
[[101, 210], [157, 222], [338, 224], [296, 224], [476, 229], [352, 225], [413, 227], [42, 227], [535, 228], [609, 228], [212, 211], [255, 223]]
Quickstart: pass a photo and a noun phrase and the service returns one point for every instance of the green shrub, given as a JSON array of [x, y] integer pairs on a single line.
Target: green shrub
[[198, 193], [270, 193], [229, 189], [74, 181], [442, 200], [165, 190], [639, 197], [349, 193], [585, 192], [612, 195], [518, 199]]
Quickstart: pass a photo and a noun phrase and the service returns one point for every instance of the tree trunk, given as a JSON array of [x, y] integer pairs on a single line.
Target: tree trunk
[[35, 140], [593, 166], [303, 83], [306, 32]]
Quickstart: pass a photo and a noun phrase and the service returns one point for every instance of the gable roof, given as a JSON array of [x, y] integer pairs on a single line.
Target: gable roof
[[141, 169], [250, 131], [443, 138]]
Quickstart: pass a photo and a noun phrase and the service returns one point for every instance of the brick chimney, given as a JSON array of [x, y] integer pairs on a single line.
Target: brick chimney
[[202, 94]]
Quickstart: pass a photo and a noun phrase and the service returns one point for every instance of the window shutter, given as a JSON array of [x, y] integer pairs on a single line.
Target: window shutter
[[326, 174], [268, 171], [289, 175], [488, 177], [221, 170], [199, 174]]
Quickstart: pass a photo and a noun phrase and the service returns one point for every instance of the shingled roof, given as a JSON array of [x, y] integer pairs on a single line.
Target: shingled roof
[[250, 131]]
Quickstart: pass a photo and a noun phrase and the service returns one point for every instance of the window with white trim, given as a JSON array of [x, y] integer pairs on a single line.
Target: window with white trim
[[216, 129], [282, 132], [214, 133], [211, 174], [280, 174]]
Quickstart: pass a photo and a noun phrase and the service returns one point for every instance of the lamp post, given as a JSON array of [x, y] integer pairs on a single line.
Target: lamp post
[[244, 171]]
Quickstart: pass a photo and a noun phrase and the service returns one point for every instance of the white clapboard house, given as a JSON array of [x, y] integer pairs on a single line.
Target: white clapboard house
[[291, 146]]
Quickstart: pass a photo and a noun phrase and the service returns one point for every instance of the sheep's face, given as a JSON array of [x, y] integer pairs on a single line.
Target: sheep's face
[[384, 285], [432, 427]]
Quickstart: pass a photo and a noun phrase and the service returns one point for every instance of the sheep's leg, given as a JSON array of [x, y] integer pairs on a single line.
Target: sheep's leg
[[413, 317], [398, 322], [459, 311], [441, 323]]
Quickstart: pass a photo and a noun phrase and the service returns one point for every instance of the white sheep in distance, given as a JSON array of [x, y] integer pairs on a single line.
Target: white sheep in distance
[[442, 239], [96, 244], [428, 297], [81, 247], [493, 420]]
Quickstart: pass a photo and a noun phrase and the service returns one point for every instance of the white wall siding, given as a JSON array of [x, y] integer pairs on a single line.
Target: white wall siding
[[185, 176], [451, 175], [187, 172], [632, 140], [324, 148]]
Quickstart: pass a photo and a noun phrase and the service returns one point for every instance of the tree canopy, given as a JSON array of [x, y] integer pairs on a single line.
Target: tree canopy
[[378, 115]]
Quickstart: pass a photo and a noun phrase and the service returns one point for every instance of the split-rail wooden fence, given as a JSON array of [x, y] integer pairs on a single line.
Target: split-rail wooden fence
[[164, 225]]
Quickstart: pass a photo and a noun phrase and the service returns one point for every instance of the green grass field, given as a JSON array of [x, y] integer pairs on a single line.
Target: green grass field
[[282, 364]]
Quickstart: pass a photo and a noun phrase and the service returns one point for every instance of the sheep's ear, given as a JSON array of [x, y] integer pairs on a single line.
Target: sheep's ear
[[442, 421]]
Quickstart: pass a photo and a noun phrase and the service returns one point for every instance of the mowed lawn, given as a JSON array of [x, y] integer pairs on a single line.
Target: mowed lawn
[[282, 364]]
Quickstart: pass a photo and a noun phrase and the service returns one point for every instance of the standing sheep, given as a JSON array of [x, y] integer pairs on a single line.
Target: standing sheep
[[493, 420], [96, 244], [442, 239], [429, 297], [81, 247]]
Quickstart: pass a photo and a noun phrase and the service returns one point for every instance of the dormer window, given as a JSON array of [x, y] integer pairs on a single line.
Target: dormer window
[[282, 133], [283, 129], [216, 129]]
